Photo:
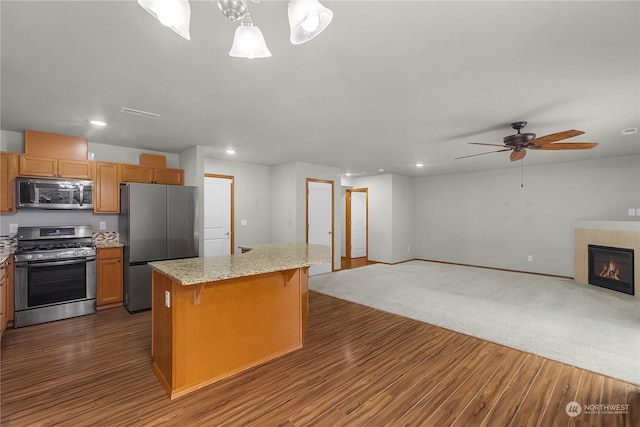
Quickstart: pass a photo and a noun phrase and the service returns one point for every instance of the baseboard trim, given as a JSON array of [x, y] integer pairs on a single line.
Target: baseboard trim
[[493, 268]]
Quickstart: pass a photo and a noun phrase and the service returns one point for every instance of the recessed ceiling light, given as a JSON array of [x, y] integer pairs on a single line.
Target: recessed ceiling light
[[419, 165], [97, 122], [230, 151], [348, 174], [380, 170]]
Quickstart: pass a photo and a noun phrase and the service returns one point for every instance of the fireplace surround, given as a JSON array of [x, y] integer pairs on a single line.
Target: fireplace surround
[[611, 268], [613, 234]]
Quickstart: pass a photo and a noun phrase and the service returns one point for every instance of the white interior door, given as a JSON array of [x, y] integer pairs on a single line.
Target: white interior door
[[358, 224], [320, 220], [217, 216]]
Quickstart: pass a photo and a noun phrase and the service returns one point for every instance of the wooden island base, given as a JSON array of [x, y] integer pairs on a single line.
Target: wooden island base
[[206, 332]]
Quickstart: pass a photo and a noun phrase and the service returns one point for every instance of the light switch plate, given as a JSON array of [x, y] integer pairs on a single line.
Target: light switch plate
[[638, 212], [243, 223], [13, 228], [167, 299], [632, 212]]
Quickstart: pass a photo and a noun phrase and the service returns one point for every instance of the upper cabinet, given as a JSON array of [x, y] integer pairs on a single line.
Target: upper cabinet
[[8, 173], [149, 175], [168, 176], [106, 188], [61, 168], [55, 145]]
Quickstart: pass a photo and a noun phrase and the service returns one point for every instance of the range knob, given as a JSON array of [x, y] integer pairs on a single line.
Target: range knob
[[28, 256], [77, 253], [85, 252], [59, 254], [39, 256]]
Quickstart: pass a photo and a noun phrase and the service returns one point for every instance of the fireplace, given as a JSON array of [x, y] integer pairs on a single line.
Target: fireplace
[[611, 268]]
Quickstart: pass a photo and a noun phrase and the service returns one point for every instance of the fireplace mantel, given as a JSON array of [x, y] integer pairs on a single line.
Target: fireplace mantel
[[619, 234]]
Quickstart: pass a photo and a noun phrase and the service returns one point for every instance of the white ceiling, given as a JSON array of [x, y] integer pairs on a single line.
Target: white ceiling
[[388, 84]]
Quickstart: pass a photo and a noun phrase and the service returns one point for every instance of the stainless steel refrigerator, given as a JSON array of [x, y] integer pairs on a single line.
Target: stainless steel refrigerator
[[156, 222]]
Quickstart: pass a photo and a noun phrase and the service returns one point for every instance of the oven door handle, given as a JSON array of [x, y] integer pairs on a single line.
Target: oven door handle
[[54, 263]]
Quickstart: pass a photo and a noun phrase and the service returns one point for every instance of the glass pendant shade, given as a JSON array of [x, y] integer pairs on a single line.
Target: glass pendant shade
[[249, 43], [307, 19], [175, 14]]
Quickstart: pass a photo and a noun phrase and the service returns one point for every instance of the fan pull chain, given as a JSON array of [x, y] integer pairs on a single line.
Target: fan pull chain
[[522, 173]]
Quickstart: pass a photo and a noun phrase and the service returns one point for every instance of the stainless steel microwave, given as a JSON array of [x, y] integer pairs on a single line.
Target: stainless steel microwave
[[58, 193]]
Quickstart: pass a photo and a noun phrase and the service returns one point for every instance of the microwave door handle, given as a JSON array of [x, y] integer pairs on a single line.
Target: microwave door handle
[[81, 188]]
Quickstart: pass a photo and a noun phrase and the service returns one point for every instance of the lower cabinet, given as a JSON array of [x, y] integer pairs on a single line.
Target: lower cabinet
[[109, 277], [5, 283]]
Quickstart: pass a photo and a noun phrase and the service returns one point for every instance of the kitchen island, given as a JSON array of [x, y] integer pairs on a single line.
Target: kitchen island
[[216, 316]]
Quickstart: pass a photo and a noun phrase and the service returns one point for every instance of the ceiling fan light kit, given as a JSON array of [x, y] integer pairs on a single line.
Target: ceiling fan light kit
[[175, 14], [519, 142], [307, 19]]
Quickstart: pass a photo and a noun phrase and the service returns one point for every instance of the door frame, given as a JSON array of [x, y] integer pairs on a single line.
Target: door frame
[[324, 181], [231, 204], [348, 220]]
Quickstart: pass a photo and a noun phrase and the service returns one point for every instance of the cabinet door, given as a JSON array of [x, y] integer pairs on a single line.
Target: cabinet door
[[109, 271], [168, 176], [106, 188], [8, 172], [38, 166], [134, 173], [74, 169], [3, 297]]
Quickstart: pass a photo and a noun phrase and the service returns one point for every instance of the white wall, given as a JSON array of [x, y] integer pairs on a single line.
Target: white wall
[[486, 219], [391, 216], [284, 205], [252, 199], [403, 218]]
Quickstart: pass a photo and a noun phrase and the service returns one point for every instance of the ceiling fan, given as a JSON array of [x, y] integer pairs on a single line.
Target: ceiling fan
[[520, 142]]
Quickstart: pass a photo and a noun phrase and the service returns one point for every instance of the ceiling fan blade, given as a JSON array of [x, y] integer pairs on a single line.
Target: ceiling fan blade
[[517, 155], [482, 143], [548, 139], [488, 152], [566, 146]]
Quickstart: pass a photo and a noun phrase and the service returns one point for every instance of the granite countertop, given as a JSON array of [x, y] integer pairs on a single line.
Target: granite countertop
[[107, 244], [265, 258], [6, 252]]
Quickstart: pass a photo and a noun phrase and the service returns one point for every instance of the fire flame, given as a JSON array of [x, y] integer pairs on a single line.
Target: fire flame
[[610, 270]]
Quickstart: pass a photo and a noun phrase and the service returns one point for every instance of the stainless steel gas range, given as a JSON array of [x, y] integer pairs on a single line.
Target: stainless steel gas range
[[55, 274]]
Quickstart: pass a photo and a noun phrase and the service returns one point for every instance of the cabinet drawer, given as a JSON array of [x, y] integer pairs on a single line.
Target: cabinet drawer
[[109, 253]]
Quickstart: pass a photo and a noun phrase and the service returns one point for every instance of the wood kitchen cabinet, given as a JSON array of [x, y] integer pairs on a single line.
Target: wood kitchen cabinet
[[8, 173], [168, 176], [145, 174], [135, 173], [60, 168], [109, 277], [106, 188], [6, 293]]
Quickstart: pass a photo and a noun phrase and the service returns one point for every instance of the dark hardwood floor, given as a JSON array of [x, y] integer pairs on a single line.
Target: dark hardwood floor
[[359, 366]]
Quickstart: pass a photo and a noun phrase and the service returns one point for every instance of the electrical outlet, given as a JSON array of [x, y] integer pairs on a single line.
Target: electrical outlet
[[637, 211], [167, 299], [530, 258], [103, 225], [13, 228], [632, 212], [408, 248]]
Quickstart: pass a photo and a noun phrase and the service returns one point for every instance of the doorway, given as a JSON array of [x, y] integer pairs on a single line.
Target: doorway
[[218, 215], [320, 219], [357, 229]]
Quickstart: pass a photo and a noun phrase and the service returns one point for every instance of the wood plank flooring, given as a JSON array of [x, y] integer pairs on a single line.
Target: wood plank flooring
[[359, 366]]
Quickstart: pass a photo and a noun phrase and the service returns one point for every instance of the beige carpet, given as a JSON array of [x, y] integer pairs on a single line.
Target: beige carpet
[[584, 326]]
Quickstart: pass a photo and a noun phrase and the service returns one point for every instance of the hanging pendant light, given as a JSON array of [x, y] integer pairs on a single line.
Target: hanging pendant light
[[307, 19], [248, 41], [175, 14]]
